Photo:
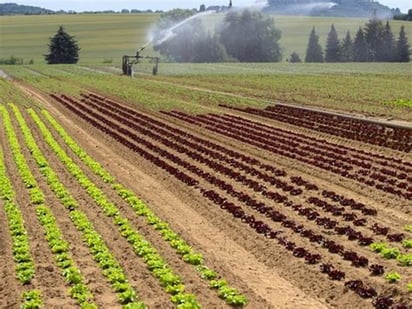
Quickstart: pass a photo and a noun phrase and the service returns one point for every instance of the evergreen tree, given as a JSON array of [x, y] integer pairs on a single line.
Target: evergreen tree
[[388, 51], [403, 46], [360, 47], [346, 49], [63, 48], [332, 46], [374, 33], [314, 50]]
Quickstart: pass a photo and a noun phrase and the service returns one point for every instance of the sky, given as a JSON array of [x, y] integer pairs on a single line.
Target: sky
[[117, 5]]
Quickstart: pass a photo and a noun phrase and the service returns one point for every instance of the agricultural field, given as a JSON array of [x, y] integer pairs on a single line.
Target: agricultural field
[[106, 38], [210, 186]]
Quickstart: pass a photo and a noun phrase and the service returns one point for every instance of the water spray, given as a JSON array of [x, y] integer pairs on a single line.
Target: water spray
[[129, 61]]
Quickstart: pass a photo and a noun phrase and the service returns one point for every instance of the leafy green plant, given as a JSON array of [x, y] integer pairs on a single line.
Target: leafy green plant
[[390, 253], [32, 300], [407, 243], [141, 247], [408, 227], [392, 277], [409, 287], [378, 246], [405, 259]]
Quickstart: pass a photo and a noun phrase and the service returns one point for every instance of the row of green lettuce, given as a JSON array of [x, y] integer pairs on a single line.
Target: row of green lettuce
[[25, 269], [171, 282], [58, 246], [111, 268], [187, 253]]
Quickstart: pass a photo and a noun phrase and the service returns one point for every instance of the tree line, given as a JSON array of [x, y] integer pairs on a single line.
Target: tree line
[[245, 36], [375, 42]]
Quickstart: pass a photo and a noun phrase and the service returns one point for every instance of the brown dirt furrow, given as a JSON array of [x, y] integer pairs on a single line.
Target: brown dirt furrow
[[122, 168]]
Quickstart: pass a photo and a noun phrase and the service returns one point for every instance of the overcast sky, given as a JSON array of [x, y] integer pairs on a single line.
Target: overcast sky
[[92, 5]]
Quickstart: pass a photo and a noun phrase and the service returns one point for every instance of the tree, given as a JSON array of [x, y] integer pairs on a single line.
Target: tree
[[63, 48], [202, 8], [314, 50], [250, 37], [346, 49], [209, 49], [332, 46], [374, 33], [388, 50], [294, 58], [360, 47], [403, 46], [189, 42]]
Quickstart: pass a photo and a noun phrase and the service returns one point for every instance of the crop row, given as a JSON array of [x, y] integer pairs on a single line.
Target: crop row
[[111, 269], [58, 246], [166, 138], [334, 158], [142, 123], [231, 295], [267, 173], [235, 210], [377, 134], [158, 135], [25, 269], [283, 147], [134, 122], [171, 282], [359, 157]]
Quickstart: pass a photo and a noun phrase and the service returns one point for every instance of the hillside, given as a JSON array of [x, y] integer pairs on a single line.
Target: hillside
[[337, 8], [17, 9]]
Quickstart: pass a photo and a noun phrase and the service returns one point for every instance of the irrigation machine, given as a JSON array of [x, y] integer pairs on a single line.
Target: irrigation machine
[[129, 61]]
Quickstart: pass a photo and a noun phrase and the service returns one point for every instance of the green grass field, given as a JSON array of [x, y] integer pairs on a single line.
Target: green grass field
[[108, 37], [379, 90]]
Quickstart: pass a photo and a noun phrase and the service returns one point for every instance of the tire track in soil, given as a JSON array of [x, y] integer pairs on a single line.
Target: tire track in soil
[[233, 258], [47, 276], [147, 288], [298, 270], [354, 273]]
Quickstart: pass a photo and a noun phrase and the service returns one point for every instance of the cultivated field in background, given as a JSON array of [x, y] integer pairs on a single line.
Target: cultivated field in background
[[109, 37]]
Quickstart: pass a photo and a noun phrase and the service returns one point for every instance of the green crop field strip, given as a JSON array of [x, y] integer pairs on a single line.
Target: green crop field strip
[[356, 88]]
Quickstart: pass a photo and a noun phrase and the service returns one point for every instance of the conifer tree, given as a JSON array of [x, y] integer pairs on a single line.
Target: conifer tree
[[332, 46], [346, 49], [388, 51], [314, 50], [403, 46], [360, 47], [63, 48], [374, 30]]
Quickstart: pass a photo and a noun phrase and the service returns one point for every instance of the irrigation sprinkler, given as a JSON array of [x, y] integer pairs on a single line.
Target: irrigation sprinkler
[[129, 61]]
